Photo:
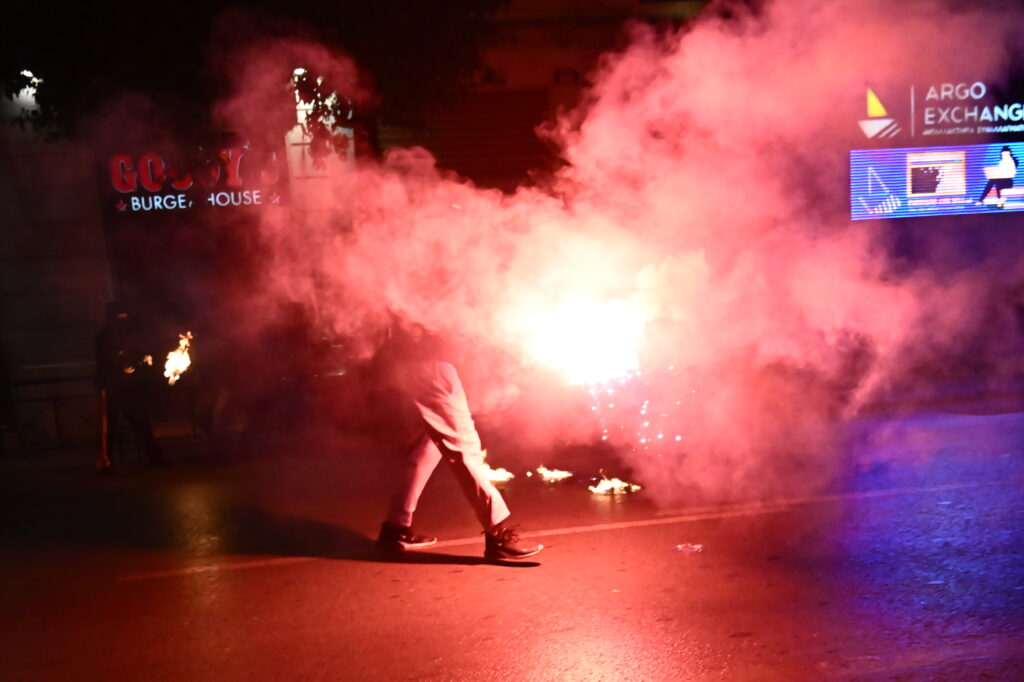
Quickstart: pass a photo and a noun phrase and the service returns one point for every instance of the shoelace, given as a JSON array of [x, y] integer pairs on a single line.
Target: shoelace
[[505, 535]]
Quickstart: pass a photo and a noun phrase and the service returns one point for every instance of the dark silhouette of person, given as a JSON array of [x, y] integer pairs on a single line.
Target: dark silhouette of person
[[123, 377], [1000, 177]]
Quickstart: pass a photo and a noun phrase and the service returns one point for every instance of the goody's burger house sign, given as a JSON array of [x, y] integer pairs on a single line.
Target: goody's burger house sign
[[230, 177]]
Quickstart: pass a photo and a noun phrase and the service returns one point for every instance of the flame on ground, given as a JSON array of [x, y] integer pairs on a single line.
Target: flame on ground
[[553, 475], [589, 341], [178, 359], [498, 475], [613, 486]]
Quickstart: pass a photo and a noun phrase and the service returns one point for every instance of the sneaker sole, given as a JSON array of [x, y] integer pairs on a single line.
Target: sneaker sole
[[494, 556], [404, 546]]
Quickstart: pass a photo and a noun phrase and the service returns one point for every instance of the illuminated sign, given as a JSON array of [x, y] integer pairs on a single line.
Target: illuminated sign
[[941, 109], [930, 181], [234, 176]]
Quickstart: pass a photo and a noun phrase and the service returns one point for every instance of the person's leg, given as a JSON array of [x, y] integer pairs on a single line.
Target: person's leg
[[420, 463], [988, 188], [442, 403], [441, 400], [1003, 183], [396, 534], [150, 445], [103, 462], [137, 416], [115, 418]]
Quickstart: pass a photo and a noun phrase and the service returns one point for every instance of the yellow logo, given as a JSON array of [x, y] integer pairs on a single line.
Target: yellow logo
[[878, 124]]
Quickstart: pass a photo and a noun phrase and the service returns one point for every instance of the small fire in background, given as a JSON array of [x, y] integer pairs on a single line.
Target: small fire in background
[[614, 486], [178, 360], [551, 475], [498, 475], [146, 360]]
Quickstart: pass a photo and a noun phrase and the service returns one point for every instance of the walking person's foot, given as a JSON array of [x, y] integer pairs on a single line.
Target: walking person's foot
[[503, 542], [395, 538]]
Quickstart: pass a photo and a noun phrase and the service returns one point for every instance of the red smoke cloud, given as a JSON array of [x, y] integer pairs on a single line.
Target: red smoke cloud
[[706, 185]]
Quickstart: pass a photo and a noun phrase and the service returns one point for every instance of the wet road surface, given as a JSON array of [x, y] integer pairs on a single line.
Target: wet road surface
[[910, 568]]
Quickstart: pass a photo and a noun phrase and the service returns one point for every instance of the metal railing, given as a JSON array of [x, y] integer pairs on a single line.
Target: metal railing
[[67, 419]]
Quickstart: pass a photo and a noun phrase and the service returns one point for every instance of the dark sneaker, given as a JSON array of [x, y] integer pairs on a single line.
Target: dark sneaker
[[400, 538], [503, 542]]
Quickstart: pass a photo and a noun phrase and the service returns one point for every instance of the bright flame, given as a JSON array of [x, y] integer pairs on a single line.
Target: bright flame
[[498, 475], [589, 342], [613, 486], [553, 475], [178, 359]]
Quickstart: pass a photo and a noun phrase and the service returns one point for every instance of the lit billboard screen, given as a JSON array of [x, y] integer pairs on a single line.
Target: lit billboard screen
[[932, 181]]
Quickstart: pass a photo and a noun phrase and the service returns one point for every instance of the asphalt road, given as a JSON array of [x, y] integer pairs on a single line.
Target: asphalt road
[[909, 568]]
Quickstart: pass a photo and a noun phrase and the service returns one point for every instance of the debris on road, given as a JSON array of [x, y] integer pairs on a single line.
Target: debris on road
[[689, 548]]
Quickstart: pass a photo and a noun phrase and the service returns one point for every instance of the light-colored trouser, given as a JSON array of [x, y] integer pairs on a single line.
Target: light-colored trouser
[[450, 434]]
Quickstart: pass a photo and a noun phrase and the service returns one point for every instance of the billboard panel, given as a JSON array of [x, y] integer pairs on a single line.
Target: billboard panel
[[931, 181]]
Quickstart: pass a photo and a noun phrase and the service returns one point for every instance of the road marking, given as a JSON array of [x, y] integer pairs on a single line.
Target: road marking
[[664, 518], [211, 568], [726, 512]]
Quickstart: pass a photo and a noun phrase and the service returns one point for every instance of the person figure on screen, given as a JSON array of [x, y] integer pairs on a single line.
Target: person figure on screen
[[1000, 177], [426, 376]]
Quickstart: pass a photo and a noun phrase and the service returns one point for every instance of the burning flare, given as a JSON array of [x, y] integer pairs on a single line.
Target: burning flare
[[498, 475], [613, 486], [553, 475], [178, 359], [589, 342]]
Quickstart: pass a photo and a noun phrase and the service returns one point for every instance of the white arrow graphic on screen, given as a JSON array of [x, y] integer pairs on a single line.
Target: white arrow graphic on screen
[[889, 204]]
